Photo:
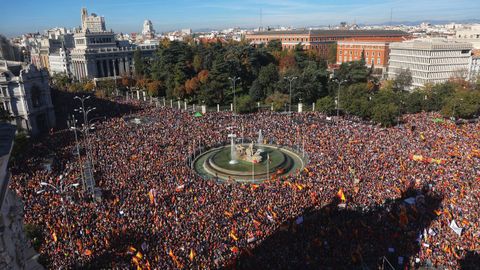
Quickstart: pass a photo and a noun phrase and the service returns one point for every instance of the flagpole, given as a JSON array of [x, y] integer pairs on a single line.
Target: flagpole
[[268, 170]]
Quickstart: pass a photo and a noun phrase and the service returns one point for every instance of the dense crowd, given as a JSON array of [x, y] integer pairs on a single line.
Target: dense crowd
[[156, 213]]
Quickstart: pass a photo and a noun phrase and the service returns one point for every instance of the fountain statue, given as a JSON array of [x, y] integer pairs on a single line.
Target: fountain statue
[[249, 154]]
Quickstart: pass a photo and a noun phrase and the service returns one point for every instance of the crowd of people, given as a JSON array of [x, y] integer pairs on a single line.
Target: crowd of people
[[157, 213]]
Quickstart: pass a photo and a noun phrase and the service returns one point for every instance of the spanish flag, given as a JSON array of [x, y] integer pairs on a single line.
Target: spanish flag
[[232, 235], [228, 214], [341, 195], [234, 249], [139, 255], [151, 195], [54, 236], [191, 256], [88, 252], [175, 259]]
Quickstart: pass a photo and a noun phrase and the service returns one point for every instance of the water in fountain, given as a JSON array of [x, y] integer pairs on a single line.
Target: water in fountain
[[260, 139], [233, 151]]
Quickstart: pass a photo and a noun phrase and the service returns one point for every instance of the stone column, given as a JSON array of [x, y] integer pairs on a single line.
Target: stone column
[[127, 66], [313, 106], [185, 103], [204, 109], [178, 103], [138, 94], [218, 107], [231, 107], [121, 63], [107, 63], [300, 107]]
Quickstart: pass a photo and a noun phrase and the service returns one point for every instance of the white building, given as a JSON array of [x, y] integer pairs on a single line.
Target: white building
[[60, 62], [474, 70], [430, 61], [92, 23], [470, 33], [16, 252], [148, 32], [97, 54], [25, 93]]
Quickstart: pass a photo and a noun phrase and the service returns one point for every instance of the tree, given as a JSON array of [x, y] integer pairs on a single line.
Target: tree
[[245, 104], [89, 86], [274, 45], [154, 88], [403, 81], [332, 53], [464, 104], [139, 66], [278, 100], [385, 114], [326, 105], [256, 91]]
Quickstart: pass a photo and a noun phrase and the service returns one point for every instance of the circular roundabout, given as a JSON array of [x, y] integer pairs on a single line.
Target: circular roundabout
[[248, 165]]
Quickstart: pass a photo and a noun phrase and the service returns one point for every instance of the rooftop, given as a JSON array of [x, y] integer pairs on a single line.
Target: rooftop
[[335, 32], [432, 44]]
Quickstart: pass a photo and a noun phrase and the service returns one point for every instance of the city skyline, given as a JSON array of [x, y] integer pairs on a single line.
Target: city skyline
[[128, 16]]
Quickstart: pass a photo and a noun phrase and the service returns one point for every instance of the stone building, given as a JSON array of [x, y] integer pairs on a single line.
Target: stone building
[[148, 32], [474, 68], [320, 40], [25, 93], [16, 251], [60, 61], [430, 61], [97, 54], [92, 23]]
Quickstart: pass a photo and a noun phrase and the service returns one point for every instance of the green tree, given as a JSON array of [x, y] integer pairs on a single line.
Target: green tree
[[139, 65], [326, 105], [278, 100], [403, 81], [274, 45], [245, 104], [332, 53], [463, 104], [385, 114]]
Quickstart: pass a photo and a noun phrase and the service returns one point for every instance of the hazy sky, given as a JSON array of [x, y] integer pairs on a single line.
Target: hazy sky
[[127, 16]]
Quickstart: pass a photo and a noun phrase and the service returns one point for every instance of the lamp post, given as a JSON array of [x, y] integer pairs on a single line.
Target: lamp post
[[290, 79], [61, 190], [338, 94], [72, 125], [234, 81]]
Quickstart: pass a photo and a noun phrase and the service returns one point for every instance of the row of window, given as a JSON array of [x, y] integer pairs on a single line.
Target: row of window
[[367, 60], [471, 36], [430, 53], [445, 61], [360, 53]]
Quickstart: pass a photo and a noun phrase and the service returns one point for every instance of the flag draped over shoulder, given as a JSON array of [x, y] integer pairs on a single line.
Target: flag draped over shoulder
[[151, 195]]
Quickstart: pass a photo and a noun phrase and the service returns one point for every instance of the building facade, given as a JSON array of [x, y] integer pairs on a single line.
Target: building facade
[[92, 23], [429, 61], [375, 53], [25, 93], [99, 55], [60, 62], [321, 40], [474, 69], [148, 32], [16, 252]]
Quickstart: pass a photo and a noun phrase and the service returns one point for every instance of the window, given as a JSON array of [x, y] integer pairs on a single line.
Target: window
[[340, 52], [378, 60]]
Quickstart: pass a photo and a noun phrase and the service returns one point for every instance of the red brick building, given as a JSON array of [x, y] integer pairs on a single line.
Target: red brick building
[[320, 40]]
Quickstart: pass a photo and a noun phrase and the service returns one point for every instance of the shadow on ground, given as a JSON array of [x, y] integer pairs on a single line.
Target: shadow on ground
[[334, 238]]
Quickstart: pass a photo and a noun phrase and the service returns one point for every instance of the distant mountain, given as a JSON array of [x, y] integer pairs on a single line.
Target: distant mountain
[[412, 23]]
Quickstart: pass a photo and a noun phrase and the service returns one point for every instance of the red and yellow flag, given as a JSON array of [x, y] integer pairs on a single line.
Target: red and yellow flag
[[341, 195], [191, 256]]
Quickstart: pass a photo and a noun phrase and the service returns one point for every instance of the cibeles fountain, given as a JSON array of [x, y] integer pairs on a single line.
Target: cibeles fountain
[[251, 162]]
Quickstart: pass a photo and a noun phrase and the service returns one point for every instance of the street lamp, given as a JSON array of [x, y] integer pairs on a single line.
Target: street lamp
[[290, 79], [234, 81], [338, 94], [72, 125]]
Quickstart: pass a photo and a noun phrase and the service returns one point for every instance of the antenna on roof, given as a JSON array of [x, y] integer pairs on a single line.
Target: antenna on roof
[[391, 16]]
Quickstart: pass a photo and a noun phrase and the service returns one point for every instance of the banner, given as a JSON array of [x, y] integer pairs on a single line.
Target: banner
[[455, 228]]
